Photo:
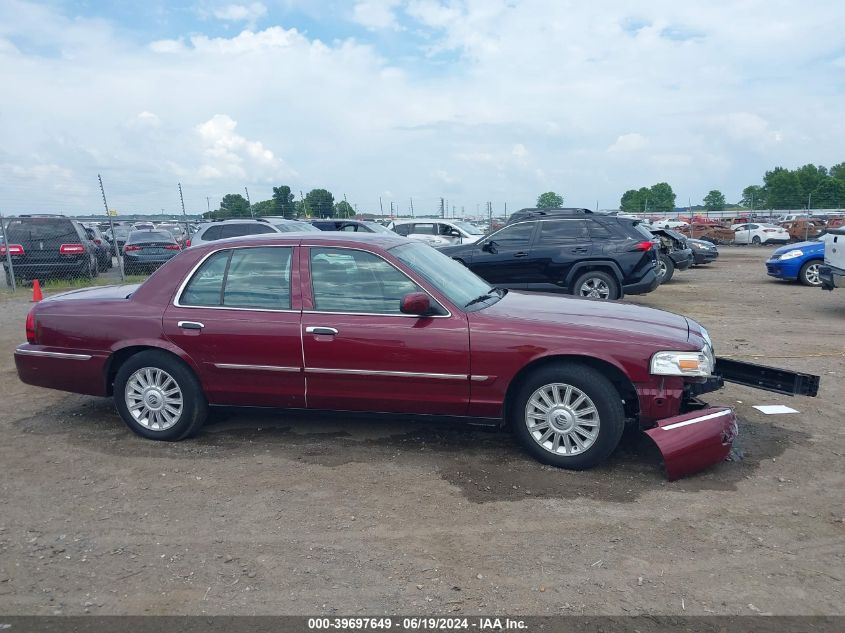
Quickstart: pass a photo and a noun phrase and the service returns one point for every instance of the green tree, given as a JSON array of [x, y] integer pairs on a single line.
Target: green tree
[[661, 197], [549, 200], [302, 209], [714, 201], [829, 194], [233, 205], [784, 189], [810, 176], [283, 204], [343, 210], [631, 202], [838, 171], [321, 202], [265, 207], [753, 197]]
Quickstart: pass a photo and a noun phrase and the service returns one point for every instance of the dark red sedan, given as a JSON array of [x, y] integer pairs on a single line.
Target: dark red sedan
[[378, 323]]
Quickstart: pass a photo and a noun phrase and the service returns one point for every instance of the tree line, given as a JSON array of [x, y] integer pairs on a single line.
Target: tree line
[[318, 203]]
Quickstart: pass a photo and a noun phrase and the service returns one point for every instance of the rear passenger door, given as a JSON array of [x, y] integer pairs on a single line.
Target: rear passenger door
[[559, 245], [238, 318]]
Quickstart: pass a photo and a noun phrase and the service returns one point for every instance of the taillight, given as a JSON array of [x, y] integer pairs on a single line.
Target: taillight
[[14, 249], [172, 247], [30, 327], [642, 246], [187, 243], [131, 247], [770, 230], [71, 249]]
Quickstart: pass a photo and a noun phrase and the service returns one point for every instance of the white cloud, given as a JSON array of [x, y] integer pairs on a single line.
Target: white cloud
[[227, 154], [628, 143], [376, 14], [240, 12]]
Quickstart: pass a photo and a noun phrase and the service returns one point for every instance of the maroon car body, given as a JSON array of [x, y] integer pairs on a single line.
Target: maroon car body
[[464, 362]]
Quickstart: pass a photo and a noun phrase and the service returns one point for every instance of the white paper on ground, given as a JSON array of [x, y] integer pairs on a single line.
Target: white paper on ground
[[773, 409]]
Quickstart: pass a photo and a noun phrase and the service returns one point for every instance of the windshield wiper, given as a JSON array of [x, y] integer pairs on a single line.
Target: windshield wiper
[[487, 295]]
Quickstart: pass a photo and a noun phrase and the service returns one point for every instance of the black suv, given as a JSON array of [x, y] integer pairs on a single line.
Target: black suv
[[574, 251], [49, 246]]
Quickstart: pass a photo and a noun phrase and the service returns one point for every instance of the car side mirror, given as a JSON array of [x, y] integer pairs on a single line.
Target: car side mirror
[[416, 303], [490, 246]]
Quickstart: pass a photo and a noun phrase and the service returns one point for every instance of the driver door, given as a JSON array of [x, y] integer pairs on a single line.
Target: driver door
[[362, 354], [504, 258], [742, 234]]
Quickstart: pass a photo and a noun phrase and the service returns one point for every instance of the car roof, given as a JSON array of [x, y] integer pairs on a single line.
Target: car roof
[[307, 238]]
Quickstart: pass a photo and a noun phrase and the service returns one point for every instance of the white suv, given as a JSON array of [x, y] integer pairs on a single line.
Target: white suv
[[221, 229], [438, 232]]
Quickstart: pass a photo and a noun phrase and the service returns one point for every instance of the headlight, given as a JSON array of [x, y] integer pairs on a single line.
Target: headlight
[[682, 363], [792, 254]]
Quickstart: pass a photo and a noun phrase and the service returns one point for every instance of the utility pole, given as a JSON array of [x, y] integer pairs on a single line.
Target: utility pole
[[9, 254], [412, 207], [251, 214], [302, 200], [208, 206], [381, 206], [111, 224], [184, 215], [441, 209]]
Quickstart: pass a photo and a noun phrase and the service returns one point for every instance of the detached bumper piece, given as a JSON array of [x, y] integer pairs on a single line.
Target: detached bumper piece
[[791, 383], [694, 441], [831, 277]]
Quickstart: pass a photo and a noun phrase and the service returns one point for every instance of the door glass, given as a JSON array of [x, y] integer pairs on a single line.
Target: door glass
[[346, 280], [403, 229], [425, 229], [212, 233], [258, 278], [563, 230], [206, 286], [349, 227], [515, 235]]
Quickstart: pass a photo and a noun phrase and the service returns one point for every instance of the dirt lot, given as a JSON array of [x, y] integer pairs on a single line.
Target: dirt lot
[[266, 513]]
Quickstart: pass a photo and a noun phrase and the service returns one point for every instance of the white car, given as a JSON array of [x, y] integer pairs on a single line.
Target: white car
[[438, 232], [760, 234], [670, 224]]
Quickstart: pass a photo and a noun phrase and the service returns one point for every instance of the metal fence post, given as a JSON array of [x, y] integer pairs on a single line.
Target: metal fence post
[[113, 236], [10, 268]]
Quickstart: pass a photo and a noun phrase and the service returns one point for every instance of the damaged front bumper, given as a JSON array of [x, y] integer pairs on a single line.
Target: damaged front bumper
[[693, 441]]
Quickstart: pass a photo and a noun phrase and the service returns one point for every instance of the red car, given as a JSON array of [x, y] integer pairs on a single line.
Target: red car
[[378, 323]]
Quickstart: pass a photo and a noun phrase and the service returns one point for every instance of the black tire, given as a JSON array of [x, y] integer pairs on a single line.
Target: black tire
[[605, 400], [192, 411], [809, 274], [756, 240], [667, 268], [594, 279]]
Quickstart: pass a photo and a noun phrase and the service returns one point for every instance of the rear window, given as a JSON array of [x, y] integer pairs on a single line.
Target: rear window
[[563, 230], [150, 236], [27, 229], [238, 230]]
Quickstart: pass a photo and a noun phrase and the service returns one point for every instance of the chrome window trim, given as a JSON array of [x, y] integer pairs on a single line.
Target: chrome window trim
[[378, 372], [258, 367], [389, 263], [181, 289], [64, 355]]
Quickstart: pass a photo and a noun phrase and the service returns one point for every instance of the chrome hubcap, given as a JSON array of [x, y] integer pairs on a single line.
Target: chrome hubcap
[[153, 398], [812, 275], [594, 287], [562, 419]]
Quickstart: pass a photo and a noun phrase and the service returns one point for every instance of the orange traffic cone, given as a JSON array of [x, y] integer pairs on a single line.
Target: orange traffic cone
[[36, 291]]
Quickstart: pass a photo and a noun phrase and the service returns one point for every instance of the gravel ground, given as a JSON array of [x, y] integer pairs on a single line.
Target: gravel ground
[[268, 513]]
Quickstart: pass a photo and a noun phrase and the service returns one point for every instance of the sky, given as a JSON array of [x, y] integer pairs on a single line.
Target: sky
[[469, 100]]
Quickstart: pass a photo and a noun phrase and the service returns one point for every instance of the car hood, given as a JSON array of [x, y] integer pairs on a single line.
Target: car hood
[[611, 317], [804, 246]]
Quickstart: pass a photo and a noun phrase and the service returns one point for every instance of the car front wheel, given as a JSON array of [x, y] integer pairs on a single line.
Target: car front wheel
[[568, 415], [159, 397], [809, 275], [596, 285]]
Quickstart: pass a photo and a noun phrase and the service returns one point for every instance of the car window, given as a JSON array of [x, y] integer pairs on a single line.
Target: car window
[[445, 229], [238, 230], [212, 233], [599, 231], [349, 227], [256, 278], [347, 280], [425, 229], [53, 229], [403, 229], [514, 234], [563, 230]]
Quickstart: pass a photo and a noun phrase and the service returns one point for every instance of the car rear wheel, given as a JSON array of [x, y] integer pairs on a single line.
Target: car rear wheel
[[568, 415], [159, 397], [665, 269], [596, 285], [809, 275], [756, 240]]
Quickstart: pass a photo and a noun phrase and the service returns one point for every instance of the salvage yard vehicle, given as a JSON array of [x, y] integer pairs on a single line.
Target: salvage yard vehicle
[[370, 323], [804, 229], [438, 232], [353, 226], [799, 262], [573, 251], [713, 233], [702, 252], [832, 273], [673, 253], [146, 250], [759, 234]]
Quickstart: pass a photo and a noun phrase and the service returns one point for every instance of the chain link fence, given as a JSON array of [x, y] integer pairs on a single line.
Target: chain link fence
[[63, 253]]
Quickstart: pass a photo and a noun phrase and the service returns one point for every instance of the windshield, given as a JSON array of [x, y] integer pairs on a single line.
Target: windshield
[[376, 227], [468, 228], [452, 278]]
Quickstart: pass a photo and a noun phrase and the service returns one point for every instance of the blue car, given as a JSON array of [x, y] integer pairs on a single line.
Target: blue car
[[799, 261]]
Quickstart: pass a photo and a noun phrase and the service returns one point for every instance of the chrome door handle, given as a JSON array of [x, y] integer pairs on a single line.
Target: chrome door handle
[[316, 329], [521, 254], [190, 325]]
